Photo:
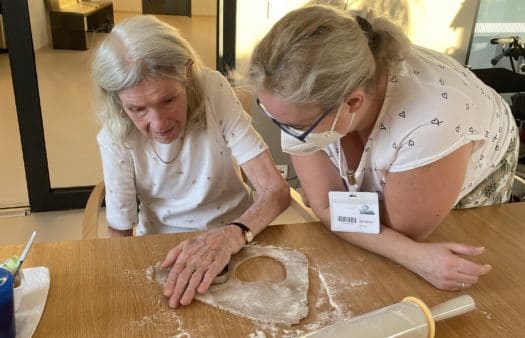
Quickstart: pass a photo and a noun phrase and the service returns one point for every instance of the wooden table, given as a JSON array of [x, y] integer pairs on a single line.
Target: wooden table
[[99, 287]]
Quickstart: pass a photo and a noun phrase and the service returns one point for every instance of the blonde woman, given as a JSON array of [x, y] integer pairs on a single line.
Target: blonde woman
[[361, 109], [173, 137]]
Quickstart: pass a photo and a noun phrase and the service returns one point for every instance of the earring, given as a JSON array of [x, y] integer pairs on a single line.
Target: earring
[[122, 114]]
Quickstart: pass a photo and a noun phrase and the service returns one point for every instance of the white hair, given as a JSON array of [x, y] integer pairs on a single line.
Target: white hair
[[317, 54], [138, 48]]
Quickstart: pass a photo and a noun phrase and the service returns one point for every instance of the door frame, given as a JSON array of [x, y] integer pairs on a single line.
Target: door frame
[[42, 197]]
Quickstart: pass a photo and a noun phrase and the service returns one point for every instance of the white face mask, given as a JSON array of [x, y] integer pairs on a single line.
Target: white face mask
[[314, 141]]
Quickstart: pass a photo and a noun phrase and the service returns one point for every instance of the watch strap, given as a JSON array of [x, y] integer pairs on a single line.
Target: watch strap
[[246, 231]]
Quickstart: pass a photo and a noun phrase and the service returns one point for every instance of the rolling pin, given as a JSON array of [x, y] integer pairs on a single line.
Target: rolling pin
[[408, 318]]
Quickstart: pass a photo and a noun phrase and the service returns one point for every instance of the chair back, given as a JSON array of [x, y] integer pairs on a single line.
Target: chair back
[[92, 211]]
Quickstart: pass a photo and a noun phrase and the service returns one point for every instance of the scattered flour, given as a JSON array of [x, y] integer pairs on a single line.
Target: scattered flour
[[487, 315], [163, 322], [327, 305], [312, 326], [257, 334], [359, 282], [182, 335], [330, 298]]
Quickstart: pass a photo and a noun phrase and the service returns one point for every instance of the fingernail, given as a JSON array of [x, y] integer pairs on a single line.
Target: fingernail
[[481, 248]]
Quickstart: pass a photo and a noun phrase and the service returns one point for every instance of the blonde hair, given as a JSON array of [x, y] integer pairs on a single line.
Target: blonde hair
[[317, 54], [138, 48]]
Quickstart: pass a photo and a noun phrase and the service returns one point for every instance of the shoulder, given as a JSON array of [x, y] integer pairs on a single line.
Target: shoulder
[[107, 140], [104, 137], [211, 79], [427, 85], [217, 91]]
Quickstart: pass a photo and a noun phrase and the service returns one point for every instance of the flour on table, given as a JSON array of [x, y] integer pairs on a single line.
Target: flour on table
[[487, 315], [284, 302], [327, 308], [257, 334]]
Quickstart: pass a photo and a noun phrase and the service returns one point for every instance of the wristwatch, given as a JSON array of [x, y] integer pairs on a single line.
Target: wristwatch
[[246, 232]]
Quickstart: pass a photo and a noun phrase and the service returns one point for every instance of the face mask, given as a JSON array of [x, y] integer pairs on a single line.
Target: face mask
[[314, 141]]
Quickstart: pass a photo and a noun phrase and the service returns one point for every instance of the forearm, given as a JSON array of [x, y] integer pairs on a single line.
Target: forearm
[[266, 207], [388, 243], [273, 193]]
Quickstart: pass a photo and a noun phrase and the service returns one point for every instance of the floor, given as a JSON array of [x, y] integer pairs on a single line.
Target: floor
[[53, 226]]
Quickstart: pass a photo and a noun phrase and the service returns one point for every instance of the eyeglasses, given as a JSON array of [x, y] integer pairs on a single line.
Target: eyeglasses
[[297, 133]]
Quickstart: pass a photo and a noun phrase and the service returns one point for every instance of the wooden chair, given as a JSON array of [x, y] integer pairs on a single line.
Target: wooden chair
[[298, 212], [92, 211]]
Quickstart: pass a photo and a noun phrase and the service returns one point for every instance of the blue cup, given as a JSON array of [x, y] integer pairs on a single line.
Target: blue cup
[[7, 305]]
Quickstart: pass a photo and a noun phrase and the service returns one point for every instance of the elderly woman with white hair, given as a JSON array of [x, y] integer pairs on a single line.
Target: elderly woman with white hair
[[172, 139]]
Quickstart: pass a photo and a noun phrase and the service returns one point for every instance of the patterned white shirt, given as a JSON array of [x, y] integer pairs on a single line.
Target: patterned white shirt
[[202, 188], [432, 107]]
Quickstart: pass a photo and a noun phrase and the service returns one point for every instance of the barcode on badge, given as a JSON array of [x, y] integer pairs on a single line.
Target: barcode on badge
[[344, 219]]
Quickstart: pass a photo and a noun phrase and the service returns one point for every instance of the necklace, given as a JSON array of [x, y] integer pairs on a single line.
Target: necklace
[[160, 158]]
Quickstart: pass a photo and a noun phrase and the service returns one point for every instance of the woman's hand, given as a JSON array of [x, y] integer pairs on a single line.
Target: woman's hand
[[441, 265], [197, 261]]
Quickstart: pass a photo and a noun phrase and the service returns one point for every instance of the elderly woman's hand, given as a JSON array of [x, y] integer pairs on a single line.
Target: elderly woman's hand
[[441, 265], [197, 261]]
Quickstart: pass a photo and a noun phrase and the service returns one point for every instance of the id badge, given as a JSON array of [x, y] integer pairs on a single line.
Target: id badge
[[354, 211]]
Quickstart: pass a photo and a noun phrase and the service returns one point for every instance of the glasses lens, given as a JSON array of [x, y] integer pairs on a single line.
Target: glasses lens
[[286, 128], [300, 134]]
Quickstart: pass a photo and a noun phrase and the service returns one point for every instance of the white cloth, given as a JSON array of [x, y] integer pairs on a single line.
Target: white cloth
[[35, 287], [433, 106], [202, 188]]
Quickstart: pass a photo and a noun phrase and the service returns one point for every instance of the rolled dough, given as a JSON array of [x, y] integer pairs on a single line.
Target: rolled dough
[[284, 302]]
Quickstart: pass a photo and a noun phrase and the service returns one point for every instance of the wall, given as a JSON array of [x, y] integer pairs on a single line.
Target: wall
[[39, 23], [254, 19], [204, 7], [127, 6], [443, 25]]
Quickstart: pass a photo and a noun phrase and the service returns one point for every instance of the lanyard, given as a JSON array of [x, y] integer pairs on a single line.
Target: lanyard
[[349, 176]]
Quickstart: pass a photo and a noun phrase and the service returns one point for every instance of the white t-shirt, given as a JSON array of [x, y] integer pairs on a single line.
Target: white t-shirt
[[432, 107], [202, 188]]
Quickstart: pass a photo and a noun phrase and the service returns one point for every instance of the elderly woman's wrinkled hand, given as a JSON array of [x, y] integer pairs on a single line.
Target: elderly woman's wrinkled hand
[[441, 265], [195, 263]]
